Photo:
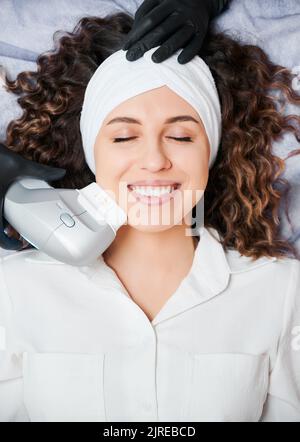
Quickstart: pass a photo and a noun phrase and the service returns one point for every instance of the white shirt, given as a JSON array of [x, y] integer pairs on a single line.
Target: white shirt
[[224, 347]]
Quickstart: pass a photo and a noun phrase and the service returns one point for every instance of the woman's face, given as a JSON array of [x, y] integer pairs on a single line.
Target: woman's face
[[152, 153]]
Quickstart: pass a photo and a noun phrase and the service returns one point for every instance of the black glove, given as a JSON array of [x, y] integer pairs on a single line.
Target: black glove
[[173, 24], [13, 167]]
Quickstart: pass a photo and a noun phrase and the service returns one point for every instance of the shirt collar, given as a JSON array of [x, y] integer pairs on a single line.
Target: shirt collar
[[210, 261], [209, 275], [209, 266]]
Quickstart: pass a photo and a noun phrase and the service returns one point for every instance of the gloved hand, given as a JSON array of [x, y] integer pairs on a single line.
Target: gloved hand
[[13, 167], [173, 24]]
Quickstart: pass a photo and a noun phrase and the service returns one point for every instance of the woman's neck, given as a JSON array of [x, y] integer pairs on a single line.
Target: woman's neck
[[171, 250]]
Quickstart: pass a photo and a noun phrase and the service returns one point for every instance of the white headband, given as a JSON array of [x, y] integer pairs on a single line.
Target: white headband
[[117, 79]]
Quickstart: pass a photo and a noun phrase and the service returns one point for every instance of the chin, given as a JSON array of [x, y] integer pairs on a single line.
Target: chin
[[151, 228]]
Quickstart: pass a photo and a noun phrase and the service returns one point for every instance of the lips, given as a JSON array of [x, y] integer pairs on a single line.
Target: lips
[[154, 183], [154, 200], [175, 185]]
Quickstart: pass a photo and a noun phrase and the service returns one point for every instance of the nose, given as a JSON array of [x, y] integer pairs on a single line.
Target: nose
[[154, 158]]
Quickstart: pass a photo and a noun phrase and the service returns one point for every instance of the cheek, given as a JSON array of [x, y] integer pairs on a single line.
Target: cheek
[[199, 175], [195, 166], [110, 166], [196, 170]]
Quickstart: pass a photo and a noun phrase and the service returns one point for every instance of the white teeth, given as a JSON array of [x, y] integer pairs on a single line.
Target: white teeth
[[153, 191]]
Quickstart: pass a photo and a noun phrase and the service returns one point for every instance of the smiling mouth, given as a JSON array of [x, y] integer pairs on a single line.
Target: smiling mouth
[[154, 194], [154, 190]]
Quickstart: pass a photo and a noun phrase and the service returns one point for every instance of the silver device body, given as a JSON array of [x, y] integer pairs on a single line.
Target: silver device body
[[57, 223]]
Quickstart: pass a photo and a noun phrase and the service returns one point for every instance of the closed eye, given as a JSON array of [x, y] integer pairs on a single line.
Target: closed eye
[[183, 139]]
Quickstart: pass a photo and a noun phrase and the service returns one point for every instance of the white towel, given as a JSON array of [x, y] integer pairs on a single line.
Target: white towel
[[118, 79]]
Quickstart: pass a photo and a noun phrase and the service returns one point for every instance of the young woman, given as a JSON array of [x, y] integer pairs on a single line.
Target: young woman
[[164, 326]]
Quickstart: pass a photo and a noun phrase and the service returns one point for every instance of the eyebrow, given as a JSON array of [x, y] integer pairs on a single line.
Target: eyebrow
[[168, 120]]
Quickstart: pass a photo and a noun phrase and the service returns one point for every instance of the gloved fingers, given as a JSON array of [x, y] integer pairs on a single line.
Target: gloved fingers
[[156, 37], [175, 42], [192, 49], [144, 9], [16, 166], [42, 171], [148, 22]]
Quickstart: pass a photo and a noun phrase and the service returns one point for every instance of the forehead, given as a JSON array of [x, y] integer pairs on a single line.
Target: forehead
[[159, 101]]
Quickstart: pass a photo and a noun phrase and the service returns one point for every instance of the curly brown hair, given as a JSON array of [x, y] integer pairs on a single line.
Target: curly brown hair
[[244, 188]]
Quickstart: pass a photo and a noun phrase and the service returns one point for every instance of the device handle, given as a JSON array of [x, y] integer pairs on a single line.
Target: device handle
[[12, 168]]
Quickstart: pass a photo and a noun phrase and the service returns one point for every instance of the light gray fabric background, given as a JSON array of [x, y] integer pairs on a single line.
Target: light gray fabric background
[[27, 28]]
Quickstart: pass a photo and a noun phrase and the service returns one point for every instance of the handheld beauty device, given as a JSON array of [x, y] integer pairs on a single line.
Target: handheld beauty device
[[73, 226]]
